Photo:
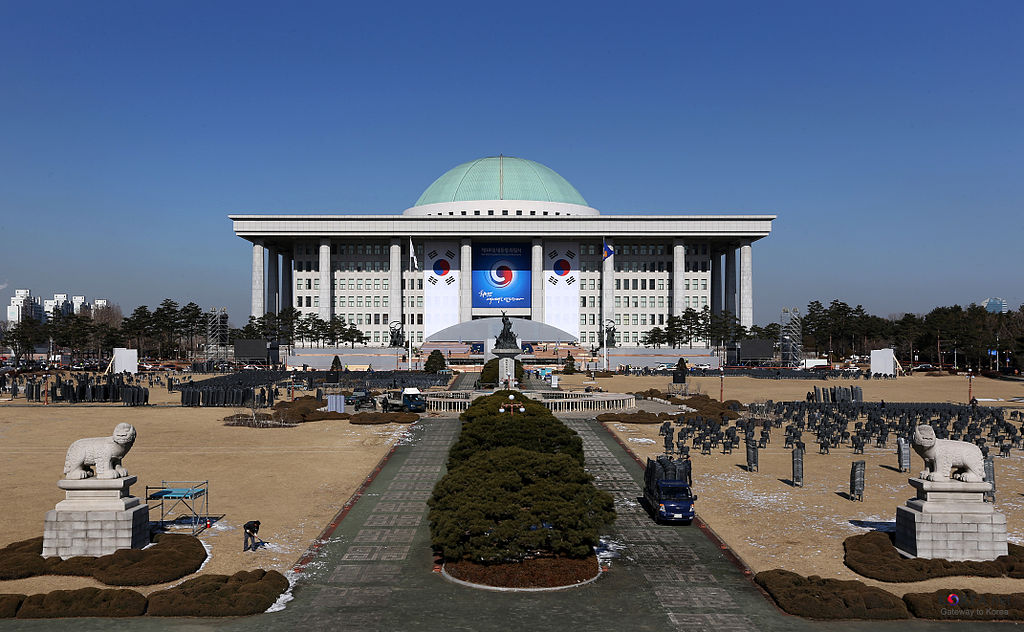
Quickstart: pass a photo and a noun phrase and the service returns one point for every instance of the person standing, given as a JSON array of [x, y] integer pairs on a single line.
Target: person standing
[[251, 528]]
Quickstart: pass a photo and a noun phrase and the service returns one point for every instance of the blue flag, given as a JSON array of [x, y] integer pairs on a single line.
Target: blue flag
[[607, 250]]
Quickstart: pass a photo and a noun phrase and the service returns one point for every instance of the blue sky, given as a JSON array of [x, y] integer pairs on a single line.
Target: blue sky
[[887, 136]]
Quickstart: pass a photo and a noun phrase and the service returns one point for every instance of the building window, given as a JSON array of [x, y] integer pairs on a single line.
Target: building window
[[703, 284], [383, 301], [643, 301], [376, 336], [419, 320], [704, 301], [591, 301], [618, 302], [583, 319], [618, 284], [583, 301], [476, 212], [636, 302], [504, 211], [686, 284], [643, 319], [351, 301], [384, 284], [661, 284], [593, 319], [419, 284], [618, 319], [298, 284], [419, 303], [492, 213], [359, 301], [636, 319], [316, 301], [661, 301]]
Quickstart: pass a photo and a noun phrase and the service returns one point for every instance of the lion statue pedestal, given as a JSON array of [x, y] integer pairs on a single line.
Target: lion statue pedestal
[[98, 514], [949, 518]]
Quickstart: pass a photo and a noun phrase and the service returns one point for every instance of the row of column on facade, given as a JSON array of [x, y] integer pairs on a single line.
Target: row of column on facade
[[269, 291]]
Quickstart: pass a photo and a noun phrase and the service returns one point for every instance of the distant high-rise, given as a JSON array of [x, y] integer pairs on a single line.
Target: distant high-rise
[[996, 305]]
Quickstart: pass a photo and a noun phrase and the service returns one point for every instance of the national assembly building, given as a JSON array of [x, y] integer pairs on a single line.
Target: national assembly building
[[496, 235]]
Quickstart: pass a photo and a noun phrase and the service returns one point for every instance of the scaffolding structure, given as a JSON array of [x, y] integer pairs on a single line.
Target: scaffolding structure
[[192, 495], [217, 334], [791, 338]]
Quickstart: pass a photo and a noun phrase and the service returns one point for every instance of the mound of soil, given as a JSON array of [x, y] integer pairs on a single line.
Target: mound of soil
[[84, 602], [971, 605], [873, 555], [818, 598], [172, 557], [639, 417], [383, 418], [547, 572], [244, 593], [324, 415]]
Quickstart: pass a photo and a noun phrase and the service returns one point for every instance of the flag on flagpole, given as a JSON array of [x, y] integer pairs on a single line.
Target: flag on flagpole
[[606, 250], [412, 256]]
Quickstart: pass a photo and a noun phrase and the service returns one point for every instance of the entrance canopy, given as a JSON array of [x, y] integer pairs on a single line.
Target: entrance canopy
[[483, 328]]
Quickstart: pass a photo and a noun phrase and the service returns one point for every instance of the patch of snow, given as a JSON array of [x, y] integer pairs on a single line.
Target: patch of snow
[[639, 440], [286, 596]]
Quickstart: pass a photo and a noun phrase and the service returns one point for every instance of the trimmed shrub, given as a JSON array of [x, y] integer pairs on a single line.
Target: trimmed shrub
[[172, 557], [510, 503], [244, 593], [435, 362], [84, 602], [818, 598], [873, 555], [544, 572], [972, 605], [536, 429], [9, 605]]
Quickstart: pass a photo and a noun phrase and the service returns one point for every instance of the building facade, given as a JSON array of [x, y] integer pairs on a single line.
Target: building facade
[[503, 234]]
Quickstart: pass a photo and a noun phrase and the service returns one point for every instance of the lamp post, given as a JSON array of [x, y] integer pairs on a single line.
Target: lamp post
[[511, 406], [970, 385], [721, 383]]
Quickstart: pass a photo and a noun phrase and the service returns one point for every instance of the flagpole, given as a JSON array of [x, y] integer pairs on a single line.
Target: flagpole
[[604, 325]]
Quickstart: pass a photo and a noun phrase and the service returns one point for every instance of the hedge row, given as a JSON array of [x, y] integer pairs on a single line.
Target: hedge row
[[874, 556], [244, 593], [172, 557], [817, 598], [516, 488]]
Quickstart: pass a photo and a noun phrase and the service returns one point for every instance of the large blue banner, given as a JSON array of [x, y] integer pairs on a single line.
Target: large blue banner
[[501, 275]]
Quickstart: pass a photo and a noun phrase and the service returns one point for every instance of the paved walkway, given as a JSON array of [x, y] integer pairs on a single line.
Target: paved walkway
[[374, 573]]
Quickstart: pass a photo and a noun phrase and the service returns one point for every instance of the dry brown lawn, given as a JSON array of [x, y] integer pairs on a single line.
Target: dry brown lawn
[[771, 524], [293, 480]]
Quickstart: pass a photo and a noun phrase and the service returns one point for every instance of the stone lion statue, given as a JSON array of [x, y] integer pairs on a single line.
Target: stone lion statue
[[103, 453], [942, 455]]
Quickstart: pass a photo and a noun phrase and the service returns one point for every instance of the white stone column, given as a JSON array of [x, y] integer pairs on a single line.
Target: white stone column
[[395, 281], [258, 289], [466, 280], [607, 287], [325, 310], [287, 277], [678, 272], [537, 280], [716, 280], [730, 280], [273, 279], [746, 297]]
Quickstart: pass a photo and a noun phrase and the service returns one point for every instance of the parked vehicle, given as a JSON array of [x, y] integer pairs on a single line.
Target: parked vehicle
[[408, 400], [666, 493], [360, 399]]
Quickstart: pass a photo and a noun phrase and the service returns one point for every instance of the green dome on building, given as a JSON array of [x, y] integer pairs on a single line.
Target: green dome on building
[[501, 178]]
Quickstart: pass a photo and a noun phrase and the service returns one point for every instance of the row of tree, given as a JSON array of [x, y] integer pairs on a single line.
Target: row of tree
[[945, 335], [704, 326], [290, 326]]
